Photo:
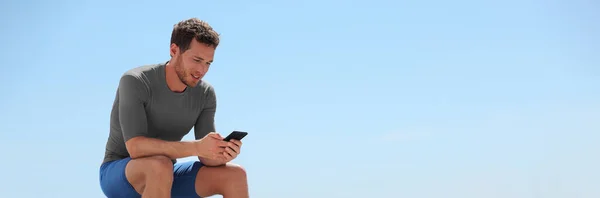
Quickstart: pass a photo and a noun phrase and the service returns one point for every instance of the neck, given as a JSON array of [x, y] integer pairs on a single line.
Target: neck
[[173, 82]]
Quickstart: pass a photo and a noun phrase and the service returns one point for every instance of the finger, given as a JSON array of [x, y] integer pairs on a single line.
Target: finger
[[236, 142], [234, 147], [222, 143], [228, 157], [218, 156], [218, 150], [223, 158], [231, 151]]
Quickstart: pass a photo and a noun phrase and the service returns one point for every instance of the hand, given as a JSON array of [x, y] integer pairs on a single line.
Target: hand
[[232, 150], [211, 147]]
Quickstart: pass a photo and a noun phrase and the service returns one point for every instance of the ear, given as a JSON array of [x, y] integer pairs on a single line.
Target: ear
[[174, 49]]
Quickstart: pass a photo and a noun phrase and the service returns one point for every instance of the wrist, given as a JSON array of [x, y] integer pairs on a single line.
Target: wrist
[[195, 150], [188, 149]]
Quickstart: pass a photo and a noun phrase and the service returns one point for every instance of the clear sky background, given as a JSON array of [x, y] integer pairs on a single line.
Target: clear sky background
[[419, 99]]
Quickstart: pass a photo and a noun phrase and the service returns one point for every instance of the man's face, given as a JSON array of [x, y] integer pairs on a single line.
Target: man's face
[[192, 65]]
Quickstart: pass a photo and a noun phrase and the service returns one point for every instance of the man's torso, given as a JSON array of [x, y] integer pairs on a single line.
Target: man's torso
[[170, 115]]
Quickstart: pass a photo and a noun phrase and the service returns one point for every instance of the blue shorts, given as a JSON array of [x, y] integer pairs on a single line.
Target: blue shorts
[[114, 182]]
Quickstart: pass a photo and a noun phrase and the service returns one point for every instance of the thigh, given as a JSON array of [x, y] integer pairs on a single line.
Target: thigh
[[113, 181], [184, 181]]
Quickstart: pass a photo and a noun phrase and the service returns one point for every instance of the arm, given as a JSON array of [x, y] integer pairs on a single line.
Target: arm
[[132, 95], [206, 124]]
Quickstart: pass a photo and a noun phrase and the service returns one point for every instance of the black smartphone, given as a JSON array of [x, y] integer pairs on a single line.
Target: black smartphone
[[236, 135]]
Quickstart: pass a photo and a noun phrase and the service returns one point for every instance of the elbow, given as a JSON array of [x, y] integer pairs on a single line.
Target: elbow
[[133, 147]]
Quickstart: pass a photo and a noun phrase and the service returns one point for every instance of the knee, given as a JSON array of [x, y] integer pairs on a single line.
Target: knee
[[155, 169], [158, 166], [236, 171], [222, 180]]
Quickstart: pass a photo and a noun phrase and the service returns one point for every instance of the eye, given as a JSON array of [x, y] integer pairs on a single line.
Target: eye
[[196, 60]]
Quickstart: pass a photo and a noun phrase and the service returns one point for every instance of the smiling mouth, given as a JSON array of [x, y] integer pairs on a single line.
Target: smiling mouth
[[195, 77]]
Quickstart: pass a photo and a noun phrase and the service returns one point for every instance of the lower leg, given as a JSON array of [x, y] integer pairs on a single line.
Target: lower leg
[[228, 180], [152, 177], [236, 188], [157, 187]]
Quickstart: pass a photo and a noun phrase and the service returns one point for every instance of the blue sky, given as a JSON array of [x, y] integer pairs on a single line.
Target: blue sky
[[420, 99]]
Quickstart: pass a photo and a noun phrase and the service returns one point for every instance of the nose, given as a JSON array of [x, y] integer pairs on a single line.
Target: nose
[[198, 73], [201, 70]]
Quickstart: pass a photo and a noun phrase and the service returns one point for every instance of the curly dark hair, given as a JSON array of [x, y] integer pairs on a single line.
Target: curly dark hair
[[193, 28]]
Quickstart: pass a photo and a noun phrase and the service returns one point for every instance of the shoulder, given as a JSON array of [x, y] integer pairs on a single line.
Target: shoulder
[[144, 73], [204, 91], [205, 88], [139, 77]]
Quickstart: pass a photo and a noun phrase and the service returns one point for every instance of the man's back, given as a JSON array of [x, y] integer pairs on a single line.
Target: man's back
[[169, 115]]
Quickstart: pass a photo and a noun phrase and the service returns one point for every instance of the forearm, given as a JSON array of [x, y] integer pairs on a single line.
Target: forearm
[[143, 147], [209, 162]]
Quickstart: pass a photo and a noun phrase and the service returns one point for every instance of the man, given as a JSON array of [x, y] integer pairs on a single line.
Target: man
[[155, 106]]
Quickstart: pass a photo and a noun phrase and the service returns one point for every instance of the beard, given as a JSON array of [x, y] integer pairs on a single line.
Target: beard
[[184, 76]]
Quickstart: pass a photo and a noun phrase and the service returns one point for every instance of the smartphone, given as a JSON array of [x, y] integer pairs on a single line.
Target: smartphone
[[236, 135]]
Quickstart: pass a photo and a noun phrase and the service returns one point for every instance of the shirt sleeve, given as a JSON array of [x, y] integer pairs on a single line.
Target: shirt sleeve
[[133, 95], [206, 121]]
